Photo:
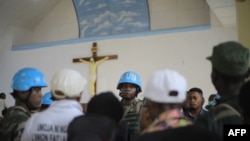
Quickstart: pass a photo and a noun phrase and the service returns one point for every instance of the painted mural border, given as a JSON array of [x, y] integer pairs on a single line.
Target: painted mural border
[[80, 40]]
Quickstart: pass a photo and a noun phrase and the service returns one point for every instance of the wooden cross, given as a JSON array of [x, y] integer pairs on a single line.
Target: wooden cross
[[94, 61]]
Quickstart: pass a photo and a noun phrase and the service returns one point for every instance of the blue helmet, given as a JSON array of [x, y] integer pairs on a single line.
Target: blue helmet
[[131, 78], [26, 78], [47, 98]]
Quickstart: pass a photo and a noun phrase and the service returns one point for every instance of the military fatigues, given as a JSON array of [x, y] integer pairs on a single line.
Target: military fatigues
[[226, 112], [12, 126], [131, 117]]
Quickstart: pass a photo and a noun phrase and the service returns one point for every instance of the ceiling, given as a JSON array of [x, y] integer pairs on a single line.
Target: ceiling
[[23, 13], [224, 10], [29, 13]]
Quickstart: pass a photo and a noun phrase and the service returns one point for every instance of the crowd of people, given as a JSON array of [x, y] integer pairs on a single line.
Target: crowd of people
[[168, 111]]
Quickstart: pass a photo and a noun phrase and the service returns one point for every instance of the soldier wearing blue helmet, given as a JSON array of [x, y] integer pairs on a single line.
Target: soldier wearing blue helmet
[[27, 86], [46, 101], [130, 86]]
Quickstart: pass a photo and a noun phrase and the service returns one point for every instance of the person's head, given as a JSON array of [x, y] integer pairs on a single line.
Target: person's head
[[211, 98], [211, 101], [195, 98], [144, 117], [92, 127], [244, 97], [229, 67], [67, 84], [4, 111], [129, 85], [106, 103], [2, 95], [46, 101], [166, 89], [27, 85]]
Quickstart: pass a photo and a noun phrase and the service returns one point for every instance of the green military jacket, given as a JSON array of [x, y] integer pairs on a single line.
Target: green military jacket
[[226, 112], [131, 116], [11, 127]]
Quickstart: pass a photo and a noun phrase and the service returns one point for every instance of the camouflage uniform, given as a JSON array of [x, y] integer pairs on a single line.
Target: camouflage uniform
[[131, 117], [11, 127]]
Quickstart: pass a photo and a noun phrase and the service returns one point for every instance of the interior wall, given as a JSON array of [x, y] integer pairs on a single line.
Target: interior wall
[[182, 51], [167, 14], [243, 21], [61, 24]]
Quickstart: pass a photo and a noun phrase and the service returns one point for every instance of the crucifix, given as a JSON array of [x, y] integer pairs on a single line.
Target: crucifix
[[94, 61]]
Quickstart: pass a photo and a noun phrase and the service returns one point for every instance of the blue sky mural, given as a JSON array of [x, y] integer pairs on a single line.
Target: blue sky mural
[[111, 17]]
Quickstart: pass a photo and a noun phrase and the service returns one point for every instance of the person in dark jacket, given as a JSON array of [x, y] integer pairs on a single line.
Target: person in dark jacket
[[229, 72], [195, 101], [190, 132], [92, 127], [244, 97], [104, 104]]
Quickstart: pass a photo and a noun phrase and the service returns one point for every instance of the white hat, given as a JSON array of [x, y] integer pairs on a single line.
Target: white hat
[[162, 83], [70, 82]]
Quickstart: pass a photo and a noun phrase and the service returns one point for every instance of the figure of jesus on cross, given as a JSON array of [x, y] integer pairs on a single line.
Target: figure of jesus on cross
[[94, 61]]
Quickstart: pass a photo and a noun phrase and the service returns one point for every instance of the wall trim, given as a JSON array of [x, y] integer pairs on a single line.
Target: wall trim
[[74, 41]]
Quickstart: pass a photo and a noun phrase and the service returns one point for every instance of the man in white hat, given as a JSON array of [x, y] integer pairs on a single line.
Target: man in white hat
[[67, 86], [165, 92]]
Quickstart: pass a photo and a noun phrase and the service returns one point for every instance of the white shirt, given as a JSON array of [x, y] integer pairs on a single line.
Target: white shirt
[[52, 123]]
